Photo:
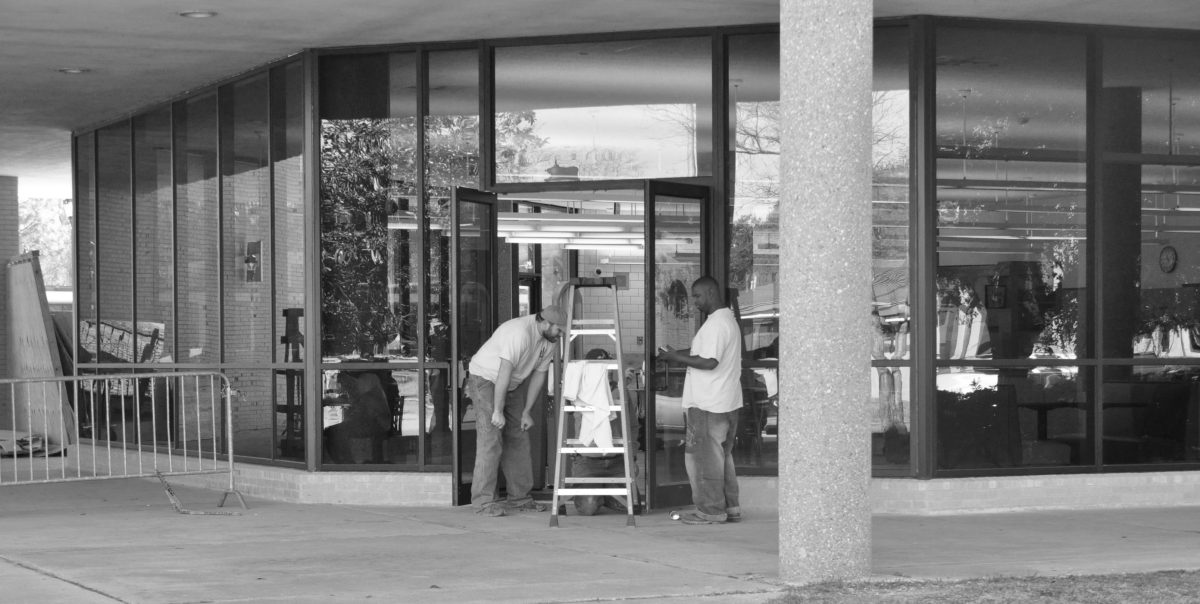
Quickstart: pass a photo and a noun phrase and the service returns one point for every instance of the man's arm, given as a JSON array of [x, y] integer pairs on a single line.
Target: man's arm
[[685, 357], [536, 382], [503, 377]]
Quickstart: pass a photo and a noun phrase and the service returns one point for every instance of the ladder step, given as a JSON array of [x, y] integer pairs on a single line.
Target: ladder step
[[591, 491], [579, 409], [610, 323], [592, 332], [602, 450], [609, 363], [595, 480], [579, 443]]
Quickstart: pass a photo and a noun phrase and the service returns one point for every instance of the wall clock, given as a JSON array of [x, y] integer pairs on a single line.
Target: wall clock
[[1167, 258]]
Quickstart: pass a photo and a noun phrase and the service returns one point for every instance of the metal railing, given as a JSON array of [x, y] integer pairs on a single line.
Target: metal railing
[[126, 425]]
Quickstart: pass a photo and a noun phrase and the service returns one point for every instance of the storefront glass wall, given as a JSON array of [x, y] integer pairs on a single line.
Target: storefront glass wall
[[753, 205], [451, 160], [154, 220], [1012, 210], [891, 211], [179, 272], [1149, 129], [288, 253]]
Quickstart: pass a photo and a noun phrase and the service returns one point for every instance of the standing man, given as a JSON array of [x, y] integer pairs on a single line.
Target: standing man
[[507, 375], [712, 396]]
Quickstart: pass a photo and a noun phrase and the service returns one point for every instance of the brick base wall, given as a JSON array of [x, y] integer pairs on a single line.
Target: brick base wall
[[761, 493]]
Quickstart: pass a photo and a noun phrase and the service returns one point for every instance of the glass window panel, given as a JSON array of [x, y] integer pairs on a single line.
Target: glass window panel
[[85, 237], [1011, 199], [604, 110], [1151, 414], [1153, 257], [890, 221], [252, 417], [754, 199], [890, 413], [1013, 417], [365, 415], [1161, 79], [246, 184], [436, 233], [154, 244], [439, 440], [452, 160], [197, 227], [289, 414], [476, 270], [890, 191], [114, 214], [368, 177], [287, 156]]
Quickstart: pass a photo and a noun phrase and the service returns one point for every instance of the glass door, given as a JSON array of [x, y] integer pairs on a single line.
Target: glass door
[[474, 268], [677, 253]]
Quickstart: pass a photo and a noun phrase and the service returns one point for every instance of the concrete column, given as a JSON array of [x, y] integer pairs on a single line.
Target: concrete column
[[825, 260], [8, 248]]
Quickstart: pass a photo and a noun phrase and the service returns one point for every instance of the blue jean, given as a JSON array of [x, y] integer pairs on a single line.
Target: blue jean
[[506, 449], [584, 466], [708, 457]]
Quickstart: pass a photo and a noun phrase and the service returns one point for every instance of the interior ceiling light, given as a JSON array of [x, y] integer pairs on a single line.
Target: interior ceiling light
[[198, 14], [73, 70]]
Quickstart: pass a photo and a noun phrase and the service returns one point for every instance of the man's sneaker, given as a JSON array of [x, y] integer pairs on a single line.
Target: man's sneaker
[[691, 517], [528, 506], [733, 514], [491, 509]]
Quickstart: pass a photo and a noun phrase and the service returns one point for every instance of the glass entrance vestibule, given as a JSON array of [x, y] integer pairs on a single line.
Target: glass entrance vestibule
[[650, 238]]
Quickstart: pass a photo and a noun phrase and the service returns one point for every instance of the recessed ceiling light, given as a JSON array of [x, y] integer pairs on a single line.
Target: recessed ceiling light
[[198, 14], [73, 70]]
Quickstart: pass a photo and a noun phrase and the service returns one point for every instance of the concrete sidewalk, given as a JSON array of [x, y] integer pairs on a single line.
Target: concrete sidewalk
[[121, 541]]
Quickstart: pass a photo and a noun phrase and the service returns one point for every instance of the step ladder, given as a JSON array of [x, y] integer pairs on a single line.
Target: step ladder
[[611, 486]]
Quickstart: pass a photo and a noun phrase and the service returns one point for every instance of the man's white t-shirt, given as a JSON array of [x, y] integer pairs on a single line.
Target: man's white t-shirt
[[518, 342], [717, 390]]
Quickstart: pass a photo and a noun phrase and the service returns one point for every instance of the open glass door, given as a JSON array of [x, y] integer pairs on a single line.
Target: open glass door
[[473, 271], [676, 255]]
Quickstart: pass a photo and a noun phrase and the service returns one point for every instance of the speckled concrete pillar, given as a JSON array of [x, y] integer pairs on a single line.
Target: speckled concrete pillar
[[825, 257]]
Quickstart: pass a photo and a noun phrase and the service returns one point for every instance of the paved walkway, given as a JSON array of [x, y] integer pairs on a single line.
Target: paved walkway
[[120, 541]]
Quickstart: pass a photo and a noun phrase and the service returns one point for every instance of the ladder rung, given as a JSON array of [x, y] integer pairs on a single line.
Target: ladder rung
[[595, 480], [592, 491], [579, 443], [578, 409], [592, 332], [592, 450], [588, 322], [608, 363]]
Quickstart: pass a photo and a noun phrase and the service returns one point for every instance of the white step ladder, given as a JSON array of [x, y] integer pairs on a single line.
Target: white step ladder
[[569, 486]]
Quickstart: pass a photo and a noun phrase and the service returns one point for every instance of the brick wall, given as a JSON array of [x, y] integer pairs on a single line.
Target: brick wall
[[1011, 493]]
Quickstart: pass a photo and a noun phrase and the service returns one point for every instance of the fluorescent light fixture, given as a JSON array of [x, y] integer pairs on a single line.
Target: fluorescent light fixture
[[198, 14], [73, 70], [610, 248]]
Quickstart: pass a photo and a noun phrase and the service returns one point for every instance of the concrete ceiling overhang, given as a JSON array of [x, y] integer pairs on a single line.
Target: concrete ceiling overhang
[[141, 51]]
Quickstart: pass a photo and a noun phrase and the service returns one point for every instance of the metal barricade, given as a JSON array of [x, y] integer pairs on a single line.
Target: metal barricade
[[127, 425]]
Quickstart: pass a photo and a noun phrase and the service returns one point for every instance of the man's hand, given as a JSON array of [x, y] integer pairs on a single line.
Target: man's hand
[[498, 418], [526, 421], [666, 353]]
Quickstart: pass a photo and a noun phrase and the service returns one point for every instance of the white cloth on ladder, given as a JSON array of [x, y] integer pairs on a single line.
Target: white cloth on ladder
[[586, 384]]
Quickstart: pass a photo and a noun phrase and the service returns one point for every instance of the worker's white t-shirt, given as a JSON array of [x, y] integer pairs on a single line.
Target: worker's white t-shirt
[[518, 342], [717, 390]]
